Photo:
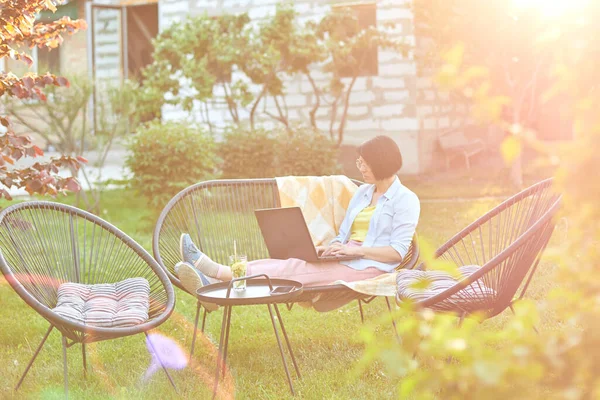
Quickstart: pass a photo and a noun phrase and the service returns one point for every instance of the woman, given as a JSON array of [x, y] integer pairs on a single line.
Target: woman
[[379, 225]]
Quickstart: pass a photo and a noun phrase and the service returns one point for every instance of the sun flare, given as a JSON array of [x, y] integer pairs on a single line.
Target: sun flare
[[550, 8]]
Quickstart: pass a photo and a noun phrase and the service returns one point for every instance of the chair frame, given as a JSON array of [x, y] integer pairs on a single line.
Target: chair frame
[[539, 231], [329, 294], [74, 331]]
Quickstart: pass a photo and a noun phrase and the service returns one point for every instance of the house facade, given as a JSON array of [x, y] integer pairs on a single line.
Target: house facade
[[393, 99]]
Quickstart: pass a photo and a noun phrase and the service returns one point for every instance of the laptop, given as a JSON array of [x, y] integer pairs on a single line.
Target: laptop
[[286, 235]]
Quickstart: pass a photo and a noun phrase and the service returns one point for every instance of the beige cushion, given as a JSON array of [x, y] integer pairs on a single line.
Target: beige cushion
[[111, 305]]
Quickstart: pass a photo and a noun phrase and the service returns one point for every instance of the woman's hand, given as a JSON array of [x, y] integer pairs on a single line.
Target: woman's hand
[[327, 250], [385, 254], [345, 250], [320, 249]]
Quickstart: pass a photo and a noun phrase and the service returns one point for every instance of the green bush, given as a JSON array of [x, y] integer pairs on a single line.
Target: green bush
[[306, 152], [262, 154], [248, 154], [166, 158]]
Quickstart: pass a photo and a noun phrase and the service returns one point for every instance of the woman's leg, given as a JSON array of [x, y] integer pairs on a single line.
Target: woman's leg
[[309, 274], [306, 273], [192, 255]]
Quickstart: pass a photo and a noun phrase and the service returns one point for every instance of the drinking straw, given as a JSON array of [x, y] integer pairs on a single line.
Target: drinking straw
[[234, 251]]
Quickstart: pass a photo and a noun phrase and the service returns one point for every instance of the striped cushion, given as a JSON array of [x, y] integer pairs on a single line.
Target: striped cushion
[[111, 305], [410, 285]]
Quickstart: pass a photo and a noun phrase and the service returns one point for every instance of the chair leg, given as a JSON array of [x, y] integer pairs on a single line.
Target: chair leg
[[461, 318], [65, 374], [34, 357], [84, 360], [225, 325], [195, 331], [514, 313], [362, 317], [393, 321], [414, 356], [161, 363]]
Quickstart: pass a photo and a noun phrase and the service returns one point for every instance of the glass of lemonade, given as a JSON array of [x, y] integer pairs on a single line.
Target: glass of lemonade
[[238, 270]]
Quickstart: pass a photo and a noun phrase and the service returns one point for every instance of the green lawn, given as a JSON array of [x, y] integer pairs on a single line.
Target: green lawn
[[327, 345]]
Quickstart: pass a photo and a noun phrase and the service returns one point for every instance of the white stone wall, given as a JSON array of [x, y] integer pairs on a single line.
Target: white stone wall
[[383, 104], [170, 11]]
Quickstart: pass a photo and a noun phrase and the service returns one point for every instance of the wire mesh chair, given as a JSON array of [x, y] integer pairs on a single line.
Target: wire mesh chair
[[215, 213], [45, 244], [507, 242]]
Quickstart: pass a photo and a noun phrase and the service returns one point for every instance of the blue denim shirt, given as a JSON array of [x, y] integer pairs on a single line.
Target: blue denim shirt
[[393, 222]]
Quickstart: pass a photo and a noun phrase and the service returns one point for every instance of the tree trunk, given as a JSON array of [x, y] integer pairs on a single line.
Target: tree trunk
[[516, 172]]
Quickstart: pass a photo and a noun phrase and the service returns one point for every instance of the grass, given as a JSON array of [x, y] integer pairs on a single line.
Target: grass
[[327, 345], [480, 181]]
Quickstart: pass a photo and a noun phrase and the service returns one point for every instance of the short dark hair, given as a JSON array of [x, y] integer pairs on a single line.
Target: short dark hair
[[382, 155]]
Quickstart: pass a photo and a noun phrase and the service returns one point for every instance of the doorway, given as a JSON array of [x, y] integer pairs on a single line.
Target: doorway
[[142, 28], [119, 42]]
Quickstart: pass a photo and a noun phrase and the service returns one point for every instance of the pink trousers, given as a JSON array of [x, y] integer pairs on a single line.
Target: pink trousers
[[310, 274]]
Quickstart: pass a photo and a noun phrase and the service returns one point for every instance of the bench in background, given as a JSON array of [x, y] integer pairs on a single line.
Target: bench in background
[[454, 143]]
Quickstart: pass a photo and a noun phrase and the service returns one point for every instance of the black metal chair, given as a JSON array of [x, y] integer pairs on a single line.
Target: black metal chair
[[507, 242], [45, 244], [215, 213]]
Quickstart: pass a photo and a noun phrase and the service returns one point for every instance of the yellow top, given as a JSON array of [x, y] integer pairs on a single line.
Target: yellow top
[[360, 226]]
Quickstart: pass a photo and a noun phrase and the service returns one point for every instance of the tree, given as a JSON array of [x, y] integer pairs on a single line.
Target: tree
[[191, 60], [245, 65], [497, 35], [63, 122], [60, 120], [18, 29], [346, 48], [512, 361]]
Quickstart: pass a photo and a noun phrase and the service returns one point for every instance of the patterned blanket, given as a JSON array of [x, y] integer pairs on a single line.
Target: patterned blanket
[[382, 285], [322, 199]]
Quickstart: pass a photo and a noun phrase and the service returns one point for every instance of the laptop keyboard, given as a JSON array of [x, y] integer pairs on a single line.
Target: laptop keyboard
[[334, 257]]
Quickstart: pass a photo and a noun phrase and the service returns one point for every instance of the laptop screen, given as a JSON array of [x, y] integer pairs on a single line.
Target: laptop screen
[[286, 234]]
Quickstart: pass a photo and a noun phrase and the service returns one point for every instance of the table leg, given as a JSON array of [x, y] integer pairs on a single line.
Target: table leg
[[287, 340], [287, 372], [228, 325], [222, 346], [203, 320]]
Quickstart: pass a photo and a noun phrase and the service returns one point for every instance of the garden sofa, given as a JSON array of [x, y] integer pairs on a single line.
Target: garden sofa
[[215, 213]]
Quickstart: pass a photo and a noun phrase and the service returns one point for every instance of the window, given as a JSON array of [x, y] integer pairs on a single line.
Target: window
[[44, 61], [366, 14], [47, 60]]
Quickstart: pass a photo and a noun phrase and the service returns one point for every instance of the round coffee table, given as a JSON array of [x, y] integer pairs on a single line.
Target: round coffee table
[[258, 292]]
